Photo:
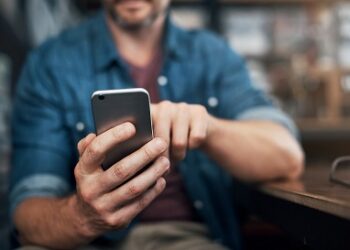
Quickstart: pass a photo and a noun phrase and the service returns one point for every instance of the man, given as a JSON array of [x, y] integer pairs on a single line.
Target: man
[[215, 125]]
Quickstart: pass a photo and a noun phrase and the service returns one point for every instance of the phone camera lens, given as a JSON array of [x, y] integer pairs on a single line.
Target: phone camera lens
[[101, 97]]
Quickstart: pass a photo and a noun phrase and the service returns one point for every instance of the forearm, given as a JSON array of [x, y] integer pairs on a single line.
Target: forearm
[[50, 222], [254, 150]]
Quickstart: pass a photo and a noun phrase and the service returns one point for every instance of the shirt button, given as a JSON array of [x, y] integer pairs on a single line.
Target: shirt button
[[162, 80], [80, 126], [213, 102], [198, 204]]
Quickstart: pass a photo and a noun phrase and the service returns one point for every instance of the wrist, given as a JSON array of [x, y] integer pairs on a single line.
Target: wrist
[[80, 221], [212, 129]]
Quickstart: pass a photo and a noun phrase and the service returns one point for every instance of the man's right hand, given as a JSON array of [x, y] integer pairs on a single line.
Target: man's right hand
[[110, 199]]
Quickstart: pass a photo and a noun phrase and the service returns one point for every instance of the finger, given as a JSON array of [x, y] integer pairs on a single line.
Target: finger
[[162, 123], [95, 152], [198, 129], [128, 212], [180, 133], [82, 144], [153, 108], [130, 165], [138, 185]]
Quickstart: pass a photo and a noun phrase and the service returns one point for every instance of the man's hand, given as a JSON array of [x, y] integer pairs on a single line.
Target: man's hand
[[111, 199], [182, 126]]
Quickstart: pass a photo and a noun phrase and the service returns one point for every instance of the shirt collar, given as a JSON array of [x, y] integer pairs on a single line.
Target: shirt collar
[[106, 53], [172, 39]]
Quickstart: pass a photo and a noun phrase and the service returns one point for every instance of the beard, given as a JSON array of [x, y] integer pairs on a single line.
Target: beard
[[133, 26]]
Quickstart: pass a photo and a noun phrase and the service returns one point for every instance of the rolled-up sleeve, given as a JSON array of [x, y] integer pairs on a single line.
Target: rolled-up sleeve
[[42, 151], [270, 114], [242, 100]]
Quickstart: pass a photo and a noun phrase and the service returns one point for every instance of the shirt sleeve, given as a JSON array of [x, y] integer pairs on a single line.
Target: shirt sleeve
[[42, 150], [240, 99]]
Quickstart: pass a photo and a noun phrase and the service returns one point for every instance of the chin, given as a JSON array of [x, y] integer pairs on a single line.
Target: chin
[[133, 18]]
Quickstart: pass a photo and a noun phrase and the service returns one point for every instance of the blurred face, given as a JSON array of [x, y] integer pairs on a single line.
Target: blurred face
[[135, 14]]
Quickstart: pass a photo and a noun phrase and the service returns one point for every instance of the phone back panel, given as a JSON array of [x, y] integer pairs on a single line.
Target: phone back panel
[[111, 108]]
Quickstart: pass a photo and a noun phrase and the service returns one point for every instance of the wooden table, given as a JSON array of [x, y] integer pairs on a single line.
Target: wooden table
[[312, 209]]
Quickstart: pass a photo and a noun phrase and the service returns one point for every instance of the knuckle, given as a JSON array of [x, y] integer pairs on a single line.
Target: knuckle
[[99, 208], [182, 105], [148, 153], [166, 106], [165, 103], [116, 133], [119, 171], [80, 145], [142, 203], [87, 196], [94, 150], [199, 108], [78, 174], [108, 220], [76, 171], [133, 190]]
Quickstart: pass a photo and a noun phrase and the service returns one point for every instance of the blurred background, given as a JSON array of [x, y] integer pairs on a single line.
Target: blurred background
[[296, 50]]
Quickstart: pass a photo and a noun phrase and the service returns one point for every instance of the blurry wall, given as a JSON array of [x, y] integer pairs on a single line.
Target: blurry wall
[[24, 24]]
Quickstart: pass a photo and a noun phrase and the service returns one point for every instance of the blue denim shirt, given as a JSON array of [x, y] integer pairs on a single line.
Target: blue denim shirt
[[52, 111]]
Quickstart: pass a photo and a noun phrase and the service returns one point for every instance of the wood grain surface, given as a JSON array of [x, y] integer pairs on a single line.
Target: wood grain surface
[[314, 190]]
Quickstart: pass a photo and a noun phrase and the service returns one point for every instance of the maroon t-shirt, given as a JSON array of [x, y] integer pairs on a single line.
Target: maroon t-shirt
[[173, 203]]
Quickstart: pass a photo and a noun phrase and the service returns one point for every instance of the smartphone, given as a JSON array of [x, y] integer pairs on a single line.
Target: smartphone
[[114, 107]]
